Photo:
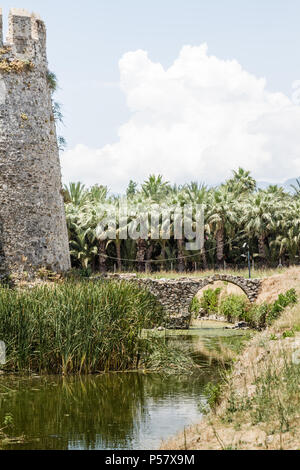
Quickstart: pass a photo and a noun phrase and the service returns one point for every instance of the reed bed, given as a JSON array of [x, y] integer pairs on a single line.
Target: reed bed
[[76, 327]]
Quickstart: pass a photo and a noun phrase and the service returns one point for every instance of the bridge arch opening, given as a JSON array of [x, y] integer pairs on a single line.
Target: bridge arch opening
[[227, 288], [208, 299]]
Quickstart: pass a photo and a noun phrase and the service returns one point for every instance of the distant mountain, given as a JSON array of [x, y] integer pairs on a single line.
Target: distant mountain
[[286, 185], [292, 182], [263, 184]]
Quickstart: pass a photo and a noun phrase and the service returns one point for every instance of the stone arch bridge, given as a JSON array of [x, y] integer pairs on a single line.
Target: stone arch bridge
[[176, 295]]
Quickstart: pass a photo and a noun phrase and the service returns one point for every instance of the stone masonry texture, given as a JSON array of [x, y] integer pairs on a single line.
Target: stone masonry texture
[[176, 295], [33, 231]]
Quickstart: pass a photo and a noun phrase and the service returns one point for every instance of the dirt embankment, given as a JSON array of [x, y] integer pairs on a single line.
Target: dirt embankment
[[260, 405], [279, 283]]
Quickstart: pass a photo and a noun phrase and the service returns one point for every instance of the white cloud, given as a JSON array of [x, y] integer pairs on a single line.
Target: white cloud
[[197, 120], [296, 92]]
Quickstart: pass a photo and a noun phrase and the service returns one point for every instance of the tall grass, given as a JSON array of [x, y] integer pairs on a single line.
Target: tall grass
[[275, 400], [76, 327]]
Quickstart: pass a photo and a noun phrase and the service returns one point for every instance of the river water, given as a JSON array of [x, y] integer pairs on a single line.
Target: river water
[[129, 410]]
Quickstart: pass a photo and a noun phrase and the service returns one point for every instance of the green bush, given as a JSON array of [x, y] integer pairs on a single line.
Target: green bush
[[257, 315], [195, 306], [283, 301], [213, 393], [288, 334], [210, 300], [234, 308], [237, 308]]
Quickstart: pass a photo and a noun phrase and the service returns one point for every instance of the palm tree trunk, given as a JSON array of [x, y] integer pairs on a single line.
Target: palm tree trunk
[[102, 256], [220, 246], [262, 246], [140, 254], [204, 259], [118, 249], [149, 256], [93, 264], [163, 255], [181, 260]]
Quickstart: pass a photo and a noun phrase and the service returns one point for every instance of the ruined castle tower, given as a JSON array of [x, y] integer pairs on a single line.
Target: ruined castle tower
[[33, 228]]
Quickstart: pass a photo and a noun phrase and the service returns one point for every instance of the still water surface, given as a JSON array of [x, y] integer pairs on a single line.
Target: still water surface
[[132, 410]]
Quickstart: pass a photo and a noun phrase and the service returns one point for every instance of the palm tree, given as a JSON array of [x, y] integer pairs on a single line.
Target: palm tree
[[120, 228], [289, 243], [155, 188], [296, 188], [98, 193], [260, 215], [176, 202], [195, 193], [288, 226], [139, 216], [132, 189], [235, 212], [95, 212], [277, 192], [242, 182], [76, 194], [164, 236], [81, 249], [222, 211]]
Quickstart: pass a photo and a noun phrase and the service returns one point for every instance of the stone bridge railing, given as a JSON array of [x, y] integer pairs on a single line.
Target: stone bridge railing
[[176, 295]]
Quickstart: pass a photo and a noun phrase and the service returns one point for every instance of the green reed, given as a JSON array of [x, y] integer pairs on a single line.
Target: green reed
[[76, 327]]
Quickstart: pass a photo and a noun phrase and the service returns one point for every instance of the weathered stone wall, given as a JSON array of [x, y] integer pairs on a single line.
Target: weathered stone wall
[[176, 295], [33, 228], [1, 28]]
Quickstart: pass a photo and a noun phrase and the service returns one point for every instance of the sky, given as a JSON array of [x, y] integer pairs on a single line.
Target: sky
[[190, 89]]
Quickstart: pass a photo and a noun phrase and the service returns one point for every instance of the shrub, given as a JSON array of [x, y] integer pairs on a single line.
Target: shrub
[[288, 334], [234, 308], [195, 306], [210, 300], [283, 301], [257, 315], [213, 393]]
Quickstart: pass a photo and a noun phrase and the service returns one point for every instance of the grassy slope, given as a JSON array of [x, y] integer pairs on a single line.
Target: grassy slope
[[260, 406]]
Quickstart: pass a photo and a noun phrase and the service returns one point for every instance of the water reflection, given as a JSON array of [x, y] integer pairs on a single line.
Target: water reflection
[[109, 411]]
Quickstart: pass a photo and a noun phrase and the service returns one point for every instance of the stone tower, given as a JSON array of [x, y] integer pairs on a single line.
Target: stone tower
[[33, 229]]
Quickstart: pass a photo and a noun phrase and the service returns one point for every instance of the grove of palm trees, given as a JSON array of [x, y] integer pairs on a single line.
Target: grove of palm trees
[[238, 217]]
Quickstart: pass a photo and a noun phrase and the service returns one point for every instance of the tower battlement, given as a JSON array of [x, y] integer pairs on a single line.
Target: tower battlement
[[26, 33]]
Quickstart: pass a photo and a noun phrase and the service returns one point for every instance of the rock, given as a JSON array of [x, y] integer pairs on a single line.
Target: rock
[[242, 324]]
